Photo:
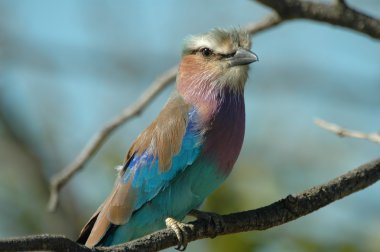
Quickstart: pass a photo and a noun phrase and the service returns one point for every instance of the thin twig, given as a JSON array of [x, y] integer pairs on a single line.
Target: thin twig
[[268, 22], [61, 178], [343, 132], [285, 210]]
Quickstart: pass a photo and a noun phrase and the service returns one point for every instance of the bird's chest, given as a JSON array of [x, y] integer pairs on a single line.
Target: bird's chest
[[224, 136]]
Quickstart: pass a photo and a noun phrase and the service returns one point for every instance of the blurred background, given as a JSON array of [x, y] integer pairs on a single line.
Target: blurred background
[[68, 67]]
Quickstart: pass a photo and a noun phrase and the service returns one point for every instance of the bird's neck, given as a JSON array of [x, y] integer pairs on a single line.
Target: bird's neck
[[209, 96]]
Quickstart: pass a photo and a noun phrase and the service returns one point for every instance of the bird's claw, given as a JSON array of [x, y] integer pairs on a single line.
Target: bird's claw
[[214, 218], [181, 231]]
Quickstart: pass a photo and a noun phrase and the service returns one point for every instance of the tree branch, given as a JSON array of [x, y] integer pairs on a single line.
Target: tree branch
[[61, 178], [337, 14], [285, 210], [342, 132], [41, 242]]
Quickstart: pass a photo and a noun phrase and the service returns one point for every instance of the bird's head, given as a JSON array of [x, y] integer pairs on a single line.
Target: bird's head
[[216, 59]]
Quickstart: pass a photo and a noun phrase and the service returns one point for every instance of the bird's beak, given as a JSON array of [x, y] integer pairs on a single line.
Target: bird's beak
[[242, 57]]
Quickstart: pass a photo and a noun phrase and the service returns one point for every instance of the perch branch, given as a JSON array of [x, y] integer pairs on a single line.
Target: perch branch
[[285, 210]]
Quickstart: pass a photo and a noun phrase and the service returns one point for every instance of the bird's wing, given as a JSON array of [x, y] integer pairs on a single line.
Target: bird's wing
[[170, 144]]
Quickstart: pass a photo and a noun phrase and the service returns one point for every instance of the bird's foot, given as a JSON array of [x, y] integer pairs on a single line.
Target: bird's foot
[[214, 218], [181, 230]]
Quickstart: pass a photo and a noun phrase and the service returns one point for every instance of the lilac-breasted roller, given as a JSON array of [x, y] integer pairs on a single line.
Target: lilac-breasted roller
[[188, 151]]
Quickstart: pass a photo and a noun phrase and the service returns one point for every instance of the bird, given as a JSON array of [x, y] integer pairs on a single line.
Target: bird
[[188, 150]]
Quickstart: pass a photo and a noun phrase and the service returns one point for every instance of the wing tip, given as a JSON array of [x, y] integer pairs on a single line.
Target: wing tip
[[86, 230]]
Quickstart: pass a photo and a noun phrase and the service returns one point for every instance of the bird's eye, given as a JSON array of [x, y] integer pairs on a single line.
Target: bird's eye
[[206, 52]]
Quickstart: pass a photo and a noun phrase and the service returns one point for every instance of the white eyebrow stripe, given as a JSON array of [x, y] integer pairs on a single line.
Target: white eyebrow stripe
[[203, 42], [219, 40]]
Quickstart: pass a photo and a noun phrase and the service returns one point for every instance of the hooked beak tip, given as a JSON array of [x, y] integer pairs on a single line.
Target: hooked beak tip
[[257, 57]]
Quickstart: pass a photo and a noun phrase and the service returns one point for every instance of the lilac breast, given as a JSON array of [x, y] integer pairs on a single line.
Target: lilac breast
[[224, 139]]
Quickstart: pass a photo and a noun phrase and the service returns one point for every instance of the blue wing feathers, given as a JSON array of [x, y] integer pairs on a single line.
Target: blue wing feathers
[[144, 170]]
